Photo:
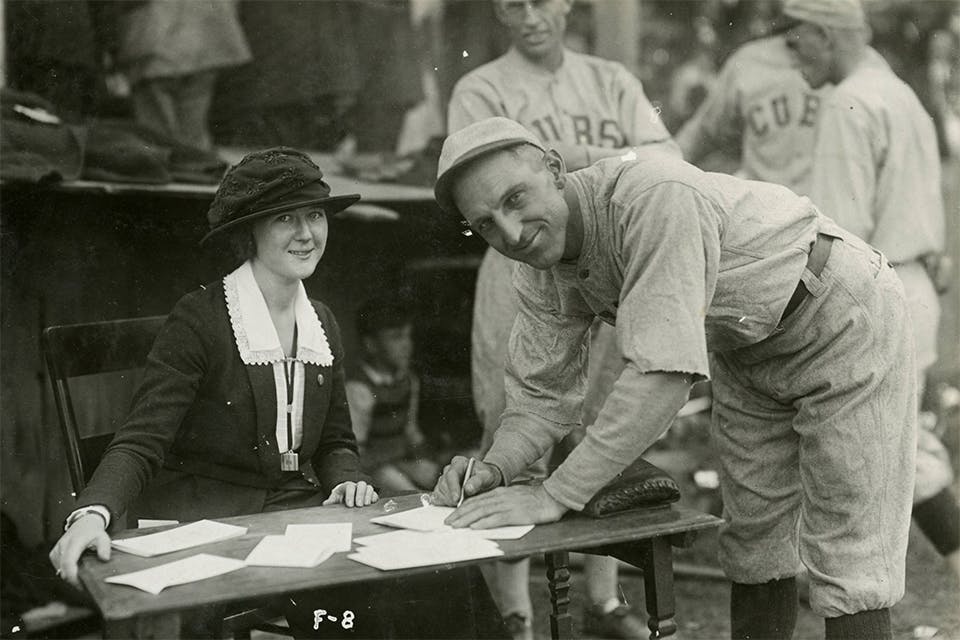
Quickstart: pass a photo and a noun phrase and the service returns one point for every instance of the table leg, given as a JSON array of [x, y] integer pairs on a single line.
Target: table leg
[[155, 627], [657, 565], [558, 579]]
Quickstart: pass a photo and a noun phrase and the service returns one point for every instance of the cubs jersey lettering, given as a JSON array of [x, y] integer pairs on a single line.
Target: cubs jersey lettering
[[761, 105], [587, 101]]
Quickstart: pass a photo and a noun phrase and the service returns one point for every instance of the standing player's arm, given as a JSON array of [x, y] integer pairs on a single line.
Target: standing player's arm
[[578, 156], [637, 120], [845, 159], [544, 380], [640, 120], [716, 124]]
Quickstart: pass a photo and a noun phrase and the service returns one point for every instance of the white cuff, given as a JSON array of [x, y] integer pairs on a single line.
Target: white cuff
[[100, 510]]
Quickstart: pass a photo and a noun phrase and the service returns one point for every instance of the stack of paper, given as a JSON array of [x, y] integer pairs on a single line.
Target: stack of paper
[[281, 551], [302, 545], [198, 567], [430, 518], [406, 549], [189, 535], [426, 540]]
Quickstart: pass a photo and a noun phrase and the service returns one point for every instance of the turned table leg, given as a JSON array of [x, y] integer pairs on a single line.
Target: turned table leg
[[558, 579]]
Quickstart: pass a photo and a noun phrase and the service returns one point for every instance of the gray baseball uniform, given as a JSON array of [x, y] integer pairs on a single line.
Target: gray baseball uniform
[[588, 101]]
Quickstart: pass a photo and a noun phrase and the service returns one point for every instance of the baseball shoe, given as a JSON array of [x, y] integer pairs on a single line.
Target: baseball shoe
[[622, 622], [518, 626]]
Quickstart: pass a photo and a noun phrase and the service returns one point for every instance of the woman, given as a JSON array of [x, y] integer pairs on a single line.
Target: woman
[[205, 438]]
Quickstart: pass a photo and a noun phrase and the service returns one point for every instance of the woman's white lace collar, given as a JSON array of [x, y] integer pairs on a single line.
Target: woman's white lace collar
[[253, 330]]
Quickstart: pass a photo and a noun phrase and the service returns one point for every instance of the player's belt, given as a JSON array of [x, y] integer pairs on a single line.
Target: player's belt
[[819, 254]]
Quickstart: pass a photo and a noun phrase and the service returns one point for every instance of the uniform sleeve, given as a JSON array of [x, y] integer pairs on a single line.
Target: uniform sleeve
[[846, 154], [640, 120], [175, 366], [336, 459], [544, 379], [717, 123], [637, 411], [473, 99], [666, 234], [638, 123]]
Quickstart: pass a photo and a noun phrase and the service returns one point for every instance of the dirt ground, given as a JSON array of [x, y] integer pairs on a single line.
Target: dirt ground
[[932, 600], [932, 592]]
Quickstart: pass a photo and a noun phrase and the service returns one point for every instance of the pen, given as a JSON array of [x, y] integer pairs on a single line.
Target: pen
[[463, 487]]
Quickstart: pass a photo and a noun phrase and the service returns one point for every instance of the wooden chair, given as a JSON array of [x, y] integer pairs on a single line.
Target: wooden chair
[[77, 350], [113, 346]]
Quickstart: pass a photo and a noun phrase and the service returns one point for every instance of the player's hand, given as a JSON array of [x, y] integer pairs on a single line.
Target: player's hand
[[87, 532], [352, 494], [519, 504], [484, 477]]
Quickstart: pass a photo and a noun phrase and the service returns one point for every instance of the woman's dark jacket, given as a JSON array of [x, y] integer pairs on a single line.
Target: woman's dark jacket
[[200, 440]]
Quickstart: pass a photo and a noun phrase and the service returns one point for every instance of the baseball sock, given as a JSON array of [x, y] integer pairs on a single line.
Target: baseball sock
[[767, 610], [866, 625], [939, 519]]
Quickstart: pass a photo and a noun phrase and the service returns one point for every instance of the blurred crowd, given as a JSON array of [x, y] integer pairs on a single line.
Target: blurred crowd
[[683, 44], [375, 75], [251, 73]]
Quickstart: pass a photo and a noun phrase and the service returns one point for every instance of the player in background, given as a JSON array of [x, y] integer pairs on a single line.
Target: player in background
[[875, 169], [763, 107], [588, 109]]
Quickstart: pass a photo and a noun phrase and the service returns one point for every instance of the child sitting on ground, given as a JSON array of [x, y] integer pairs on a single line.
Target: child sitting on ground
[[383, 393]]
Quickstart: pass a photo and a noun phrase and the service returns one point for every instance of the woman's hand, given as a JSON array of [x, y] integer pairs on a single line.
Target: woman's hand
[[353, 494], [484, 477], [88, 532]]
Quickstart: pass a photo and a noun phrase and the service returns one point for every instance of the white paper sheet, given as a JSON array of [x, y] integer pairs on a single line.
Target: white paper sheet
[[287, 551], [192, 569], [398, 538], [337, 535], [431, 517], [147, 523], [189, 535], [405, 549]]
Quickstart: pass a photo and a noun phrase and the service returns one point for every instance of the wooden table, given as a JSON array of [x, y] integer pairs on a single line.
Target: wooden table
[[642, 538]]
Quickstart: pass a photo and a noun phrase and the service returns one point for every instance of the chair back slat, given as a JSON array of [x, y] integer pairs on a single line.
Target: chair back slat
[[87, 349]]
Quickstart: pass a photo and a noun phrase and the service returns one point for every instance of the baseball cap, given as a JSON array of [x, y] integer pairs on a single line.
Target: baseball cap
[[466, 145], [837, 14]]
